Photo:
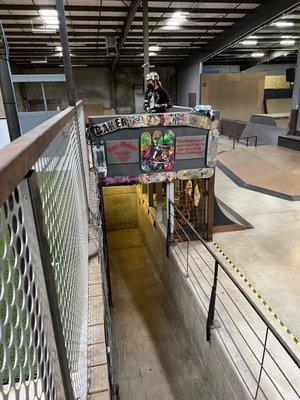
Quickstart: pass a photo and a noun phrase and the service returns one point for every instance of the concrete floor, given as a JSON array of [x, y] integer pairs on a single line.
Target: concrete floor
[[154, 357], [269, 254]]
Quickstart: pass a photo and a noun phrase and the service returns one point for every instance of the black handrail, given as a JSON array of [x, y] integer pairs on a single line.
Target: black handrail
[[238, 286]]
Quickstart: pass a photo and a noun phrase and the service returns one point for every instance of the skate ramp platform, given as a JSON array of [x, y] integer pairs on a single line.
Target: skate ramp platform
[[266, 134], [270, 170]]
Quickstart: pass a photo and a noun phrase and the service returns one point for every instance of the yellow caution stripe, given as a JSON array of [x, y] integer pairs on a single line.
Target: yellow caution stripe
[[258, 295]]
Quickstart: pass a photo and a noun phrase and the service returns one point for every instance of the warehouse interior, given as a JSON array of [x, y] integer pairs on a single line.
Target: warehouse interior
[[199, 258]]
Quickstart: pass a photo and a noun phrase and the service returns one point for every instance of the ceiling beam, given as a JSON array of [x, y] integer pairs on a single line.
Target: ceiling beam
[[116, 18], [262, 15], [118, 9], [134, 6]]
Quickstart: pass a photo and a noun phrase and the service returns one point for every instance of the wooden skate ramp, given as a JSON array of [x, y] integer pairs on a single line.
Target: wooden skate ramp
[[267, 169]]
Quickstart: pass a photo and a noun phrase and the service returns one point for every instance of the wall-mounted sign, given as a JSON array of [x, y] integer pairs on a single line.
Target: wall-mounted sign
[[188, 147], [122, 151], [144, 145]]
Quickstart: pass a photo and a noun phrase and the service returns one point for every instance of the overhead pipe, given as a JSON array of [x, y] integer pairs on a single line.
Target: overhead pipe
[[7, 90]]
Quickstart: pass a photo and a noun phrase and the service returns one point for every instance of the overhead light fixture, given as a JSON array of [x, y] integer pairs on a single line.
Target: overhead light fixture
[[287, 37], [287, 42], [50, 18], [48, 13], [249, 42], [39, 61], [154, 48], [257, 55], [58, 48], [252, 37], [283, 24], [43, 30], [152, 54], [177, 19], [75, 65], [170, 27]]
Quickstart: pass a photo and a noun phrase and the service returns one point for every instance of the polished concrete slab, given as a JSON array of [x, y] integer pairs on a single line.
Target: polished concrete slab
[[269, 254], [154, 357]]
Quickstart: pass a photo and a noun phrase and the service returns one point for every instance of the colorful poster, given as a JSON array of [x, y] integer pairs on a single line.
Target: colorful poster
[[157, 151]]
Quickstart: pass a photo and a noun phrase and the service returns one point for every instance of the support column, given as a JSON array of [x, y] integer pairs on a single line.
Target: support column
[[7, 90], [294, 128], [66, 52], [112, 88], [146, 65]]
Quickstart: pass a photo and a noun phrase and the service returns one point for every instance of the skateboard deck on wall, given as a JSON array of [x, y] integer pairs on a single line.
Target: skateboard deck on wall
[[157, 151], [212, 148], [193, 174], [100, 158], [157, 177], [146, 151]]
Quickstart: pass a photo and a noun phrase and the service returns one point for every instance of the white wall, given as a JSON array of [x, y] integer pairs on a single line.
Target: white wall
[[189, 82]]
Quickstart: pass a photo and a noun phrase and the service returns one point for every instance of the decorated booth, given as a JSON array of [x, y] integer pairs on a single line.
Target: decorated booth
[[174, 154]]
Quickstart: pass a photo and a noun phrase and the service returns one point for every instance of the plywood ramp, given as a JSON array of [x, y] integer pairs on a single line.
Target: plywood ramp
[[154, 357], [271, 169]]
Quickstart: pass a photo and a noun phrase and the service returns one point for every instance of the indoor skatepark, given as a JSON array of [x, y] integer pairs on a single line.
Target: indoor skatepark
[[149, 202]]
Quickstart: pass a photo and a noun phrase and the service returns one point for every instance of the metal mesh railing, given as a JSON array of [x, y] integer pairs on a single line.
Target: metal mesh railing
[[28, 365], [44, 266], [263, 361], [62, 187]]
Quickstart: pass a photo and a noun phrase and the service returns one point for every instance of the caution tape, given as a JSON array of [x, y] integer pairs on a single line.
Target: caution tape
[[258, 295]]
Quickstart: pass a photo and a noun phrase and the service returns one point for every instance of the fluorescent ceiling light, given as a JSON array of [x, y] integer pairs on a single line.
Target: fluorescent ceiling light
[[58, 48], [252, 37], [287, 37], [38, 61], [43, 30], [283, 24], [154, 48], [170, 27], [48, 13], [249, 42], [152, 54], [257, 55], [287, 42], [176, 20], [75, 65]]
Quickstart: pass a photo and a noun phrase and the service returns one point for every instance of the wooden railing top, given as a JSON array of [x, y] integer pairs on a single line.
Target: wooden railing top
[[19, 156]]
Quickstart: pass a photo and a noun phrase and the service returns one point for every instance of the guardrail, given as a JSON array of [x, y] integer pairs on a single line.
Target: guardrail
[[44, 261], [266, 365]]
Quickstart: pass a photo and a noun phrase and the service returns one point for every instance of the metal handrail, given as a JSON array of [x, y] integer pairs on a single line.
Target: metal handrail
[[240, 288], [18, 157]]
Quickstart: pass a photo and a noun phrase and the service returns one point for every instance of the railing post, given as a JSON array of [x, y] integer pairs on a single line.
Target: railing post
[[262, 362], [168, 239], [211, 310], [50, 284], [187, 258]]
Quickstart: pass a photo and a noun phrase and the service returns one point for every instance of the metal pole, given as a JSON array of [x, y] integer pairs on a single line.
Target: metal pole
[[145, 40], [9, 100], [294, 128], [212, 304], [112, 89], [44, 96], [66, 52]]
